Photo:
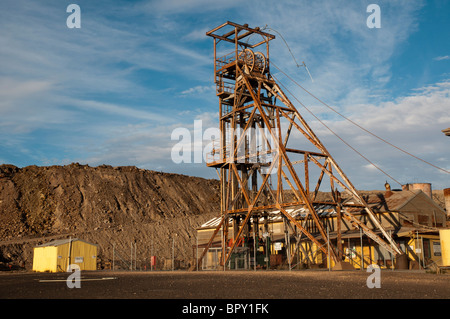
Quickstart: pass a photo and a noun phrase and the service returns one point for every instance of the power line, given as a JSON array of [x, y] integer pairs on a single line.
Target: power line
[[356, 124], [351, 147], [266, 27]]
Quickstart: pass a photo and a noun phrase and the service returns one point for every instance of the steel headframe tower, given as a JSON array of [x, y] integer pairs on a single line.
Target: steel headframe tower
[[258, 124]]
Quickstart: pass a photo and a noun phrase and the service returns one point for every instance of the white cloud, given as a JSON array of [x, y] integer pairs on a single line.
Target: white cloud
[[108, 88], [120, 110], [371, 167], [11, 89], [343, 54], [440, 58], [196, 6], [412, 123], [197, 35], [199, 89]]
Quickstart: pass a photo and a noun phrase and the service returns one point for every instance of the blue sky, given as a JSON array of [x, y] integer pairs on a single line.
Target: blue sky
[[113, 91]]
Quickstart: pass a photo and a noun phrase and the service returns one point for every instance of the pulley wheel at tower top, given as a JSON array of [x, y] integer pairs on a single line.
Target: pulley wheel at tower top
[[247, 57], [260, 62]]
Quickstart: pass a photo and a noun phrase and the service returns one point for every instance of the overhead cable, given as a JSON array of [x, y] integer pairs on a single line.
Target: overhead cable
[[359, 126], [346, 143]]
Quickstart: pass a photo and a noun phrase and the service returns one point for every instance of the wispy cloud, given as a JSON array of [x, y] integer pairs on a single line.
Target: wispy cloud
[[113, 91], [344, 55], [11, 89], [412, 123], [200, 89], [192, 6], [440, 58], [121, 111]]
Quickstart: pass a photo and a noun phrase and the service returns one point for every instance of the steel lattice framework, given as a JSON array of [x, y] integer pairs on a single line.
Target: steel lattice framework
[[258, 156]]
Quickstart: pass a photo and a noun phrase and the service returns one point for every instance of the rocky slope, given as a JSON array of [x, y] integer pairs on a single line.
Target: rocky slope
[[120, 207], [126, 208]]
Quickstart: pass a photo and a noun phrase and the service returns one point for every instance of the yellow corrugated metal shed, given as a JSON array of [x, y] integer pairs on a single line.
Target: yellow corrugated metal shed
[[57, 255], [445, 246]]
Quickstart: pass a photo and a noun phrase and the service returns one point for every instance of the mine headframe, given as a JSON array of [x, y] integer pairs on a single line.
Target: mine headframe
[[267, 150]]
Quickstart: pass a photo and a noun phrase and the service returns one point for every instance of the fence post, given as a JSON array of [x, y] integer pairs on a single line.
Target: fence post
[[362, 249], [173, 252]]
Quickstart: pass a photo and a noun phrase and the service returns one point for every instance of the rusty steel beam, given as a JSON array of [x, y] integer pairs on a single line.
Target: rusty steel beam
[[254, 30], [238, 28], [252, 101], [302, 229], [282, 151], [199, 260], [306, 153], [249, 214]]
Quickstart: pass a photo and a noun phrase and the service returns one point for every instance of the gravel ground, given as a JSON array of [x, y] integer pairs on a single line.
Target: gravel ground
[[231, 294], [309, 284]]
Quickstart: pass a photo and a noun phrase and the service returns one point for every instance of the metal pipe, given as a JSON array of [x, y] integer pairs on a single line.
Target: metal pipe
[[390, 254], [70, 253], [286, 240], [423, 252], [418, 251], [254, 248], [224, 248], [328, 243], [289, 249], [362, 249]]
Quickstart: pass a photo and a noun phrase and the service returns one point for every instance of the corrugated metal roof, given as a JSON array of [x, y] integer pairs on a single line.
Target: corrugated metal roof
[[59, 242], [212, 222], [393, 201], [381, 202], [277, 216]]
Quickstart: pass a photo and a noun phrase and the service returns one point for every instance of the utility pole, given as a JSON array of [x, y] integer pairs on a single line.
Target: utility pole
[[328, 244], [173, 253], [70, 253]]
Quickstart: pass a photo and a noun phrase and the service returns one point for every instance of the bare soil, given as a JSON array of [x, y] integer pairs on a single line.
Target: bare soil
[[122, 207], [108, 206]]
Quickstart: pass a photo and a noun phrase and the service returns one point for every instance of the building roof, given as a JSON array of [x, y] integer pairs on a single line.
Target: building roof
[[60, 242], [276, 216], [398, 200], [379, 202]]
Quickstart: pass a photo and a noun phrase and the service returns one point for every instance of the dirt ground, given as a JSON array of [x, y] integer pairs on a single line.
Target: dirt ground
[[231, 294], [307, 284]]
